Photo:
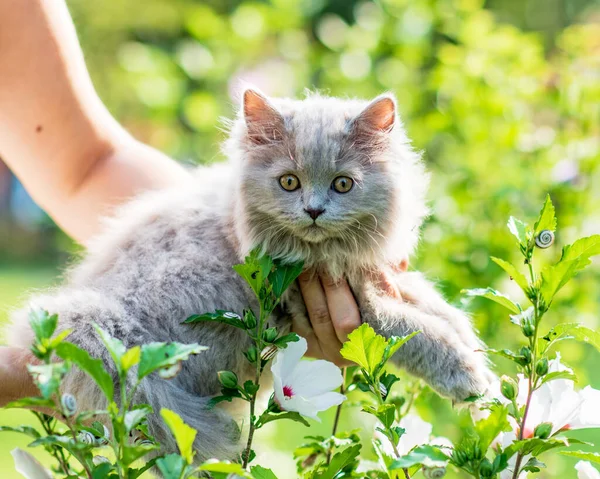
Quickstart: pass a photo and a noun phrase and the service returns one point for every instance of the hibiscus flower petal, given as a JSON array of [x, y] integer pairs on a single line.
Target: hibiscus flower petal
[[586, 471], [303, 378], [287, 359], [417, 432]]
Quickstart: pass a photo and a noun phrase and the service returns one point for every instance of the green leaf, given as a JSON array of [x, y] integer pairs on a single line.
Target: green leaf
[[255, 270], [536, 446], [394, 343], [574, 258], [171, 466], [131, 453], [292, 415], [184, 434], [131, 358], [386, 413], [487, 429], [28, 430], [114, 346], [547, 218], [259, 472], [136, 416], [48, 377], [533, 465], [584, 455], [102, 470], [515, 274], [339, 461], [33, 402], [495, 296], [364, 347], [282, 341], [506, 353], [43, 324], [575, 331], [569, 375], [162, 355], [430, 456], [519, 230], [61, 441], [93, 367], [283, 276], [135, 473], [222, 470], [219, 316]]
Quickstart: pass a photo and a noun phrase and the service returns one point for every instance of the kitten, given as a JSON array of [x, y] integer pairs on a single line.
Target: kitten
[[331, 182]]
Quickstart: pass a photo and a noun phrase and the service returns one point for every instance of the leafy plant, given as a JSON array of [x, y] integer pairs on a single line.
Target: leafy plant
[[506, 438]]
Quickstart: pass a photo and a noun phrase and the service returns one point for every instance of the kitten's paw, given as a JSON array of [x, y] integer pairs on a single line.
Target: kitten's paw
[[470, 377]]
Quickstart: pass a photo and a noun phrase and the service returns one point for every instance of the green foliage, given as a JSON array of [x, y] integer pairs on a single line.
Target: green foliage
[[155, 356], [93, 367], [184, 434], [370, 350], [479, 453], [495, 296]]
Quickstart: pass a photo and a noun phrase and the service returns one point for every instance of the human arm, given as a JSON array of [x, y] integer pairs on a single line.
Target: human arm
[[57, 137]]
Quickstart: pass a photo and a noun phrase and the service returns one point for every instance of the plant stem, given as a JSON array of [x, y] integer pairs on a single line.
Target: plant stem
[[380, 401], [58, 454], [83, 463], [338, 412], [259, 345], [532, 379]]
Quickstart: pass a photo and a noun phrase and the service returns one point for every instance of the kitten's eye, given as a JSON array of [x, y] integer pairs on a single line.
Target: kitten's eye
[[289, 182], [342, 184]]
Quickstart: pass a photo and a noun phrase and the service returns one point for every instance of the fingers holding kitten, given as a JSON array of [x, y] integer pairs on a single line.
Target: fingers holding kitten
[[332, 315]]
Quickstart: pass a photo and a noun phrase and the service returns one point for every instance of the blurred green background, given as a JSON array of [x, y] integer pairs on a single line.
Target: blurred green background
[[503, 97]]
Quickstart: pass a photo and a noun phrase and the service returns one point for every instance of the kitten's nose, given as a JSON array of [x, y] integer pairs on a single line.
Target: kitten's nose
[[314, 213]]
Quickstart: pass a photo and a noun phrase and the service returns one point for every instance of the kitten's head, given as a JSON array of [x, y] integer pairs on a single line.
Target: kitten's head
[[332, 182]]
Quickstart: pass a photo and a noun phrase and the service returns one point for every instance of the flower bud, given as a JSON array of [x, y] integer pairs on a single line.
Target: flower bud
[[508, 387], [228, 379], [269, 335], [251, 354], [541, 367], [486, 469], [249, 319], [528, 328], [434, 472], [525, 353], [69, 404], [543, 430]]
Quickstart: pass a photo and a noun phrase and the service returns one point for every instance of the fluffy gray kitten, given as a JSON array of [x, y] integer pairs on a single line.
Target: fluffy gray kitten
[[331, 182]]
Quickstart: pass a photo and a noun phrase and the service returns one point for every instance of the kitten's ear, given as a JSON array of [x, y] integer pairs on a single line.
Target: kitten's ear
[[378, 117], [264, 122]]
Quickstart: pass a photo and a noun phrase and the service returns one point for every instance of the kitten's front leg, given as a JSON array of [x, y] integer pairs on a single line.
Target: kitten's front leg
[[437, 354]]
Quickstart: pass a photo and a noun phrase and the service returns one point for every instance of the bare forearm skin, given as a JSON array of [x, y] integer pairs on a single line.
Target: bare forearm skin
[[14, 377], [55, 134]]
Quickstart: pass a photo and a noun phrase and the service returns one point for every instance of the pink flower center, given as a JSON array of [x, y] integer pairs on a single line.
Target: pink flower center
[[287, 391]]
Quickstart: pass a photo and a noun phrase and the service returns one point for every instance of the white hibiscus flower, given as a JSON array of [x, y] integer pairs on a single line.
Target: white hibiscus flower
[[586, 471], [558, 403], [28, 466], [305, 387]]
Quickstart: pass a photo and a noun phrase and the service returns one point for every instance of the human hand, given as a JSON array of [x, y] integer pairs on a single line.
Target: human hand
[[333, 312]]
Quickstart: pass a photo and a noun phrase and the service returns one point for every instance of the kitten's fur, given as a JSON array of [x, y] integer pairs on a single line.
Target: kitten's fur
[[169, 255]]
